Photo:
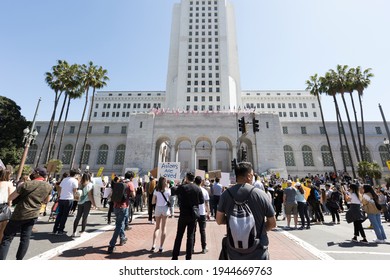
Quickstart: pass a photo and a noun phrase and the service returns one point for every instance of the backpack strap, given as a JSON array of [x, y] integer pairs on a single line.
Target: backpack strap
[[250, 191]]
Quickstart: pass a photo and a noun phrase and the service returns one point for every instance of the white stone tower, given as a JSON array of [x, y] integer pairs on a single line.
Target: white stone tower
[[203, 71]]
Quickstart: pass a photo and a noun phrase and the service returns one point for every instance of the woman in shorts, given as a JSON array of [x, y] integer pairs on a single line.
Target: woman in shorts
[[161, 197]]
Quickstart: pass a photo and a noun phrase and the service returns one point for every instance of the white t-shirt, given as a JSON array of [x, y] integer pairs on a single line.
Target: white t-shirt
[[160, 201], [202, 207], [355, 199], [67, 185], [6, 188]]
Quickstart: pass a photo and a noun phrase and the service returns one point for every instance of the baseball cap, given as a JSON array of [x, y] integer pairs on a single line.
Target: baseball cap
[[41, 171], [289, 181], [298, 184]]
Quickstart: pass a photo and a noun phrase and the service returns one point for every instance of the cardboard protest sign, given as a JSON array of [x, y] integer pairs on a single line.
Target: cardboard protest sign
[[169, 170], [214, 174], [200, 173]]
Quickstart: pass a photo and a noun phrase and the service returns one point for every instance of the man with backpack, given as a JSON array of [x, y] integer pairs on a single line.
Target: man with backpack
[[248, 214], [120, 196]]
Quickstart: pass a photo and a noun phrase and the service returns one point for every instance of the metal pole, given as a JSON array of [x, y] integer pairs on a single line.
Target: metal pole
[[28, 139]]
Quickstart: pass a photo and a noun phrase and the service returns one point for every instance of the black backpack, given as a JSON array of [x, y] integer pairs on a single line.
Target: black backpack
[[119, 193]]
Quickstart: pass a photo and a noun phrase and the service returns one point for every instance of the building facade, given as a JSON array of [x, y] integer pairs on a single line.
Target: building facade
[[195, 120]]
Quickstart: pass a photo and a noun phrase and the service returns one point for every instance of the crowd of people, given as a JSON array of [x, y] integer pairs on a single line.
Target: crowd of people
[[297, 202]]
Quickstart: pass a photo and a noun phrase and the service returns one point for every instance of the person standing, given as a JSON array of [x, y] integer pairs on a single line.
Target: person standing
[[121, 209], [369, 201], [302, 207], [86, 201], [216, 191], [161, 197], [31, 196], [129, 176], [290, 204], [204, 214], [189, 195], [314, 201], [151, 186], [262, 210], [6, 188], [355, 214]]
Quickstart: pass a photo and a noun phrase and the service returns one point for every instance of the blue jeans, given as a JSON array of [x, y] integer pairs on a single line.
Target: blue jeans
[[376, 223], [13, 227], [64, 207], [119, 231]]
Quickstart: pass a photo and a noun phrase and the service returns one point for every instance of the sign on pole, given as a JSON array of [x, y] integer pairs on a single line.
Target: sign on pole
[[100, 172], [169, 170], [388, 164]]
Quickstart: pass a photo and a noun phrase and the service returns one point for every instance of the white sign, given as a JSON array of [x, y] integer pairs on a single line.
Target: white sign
[[169, 170], [225, 179]]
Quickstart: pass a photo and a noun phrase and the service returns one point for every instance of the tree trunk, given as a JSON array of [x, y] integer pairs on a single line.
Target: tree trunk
[[357, 127], [326, 133], [360, 93], [86, 134], [63, 130], [49, 148], [78, 132], [58, 123], [341, 142], [350, 128]]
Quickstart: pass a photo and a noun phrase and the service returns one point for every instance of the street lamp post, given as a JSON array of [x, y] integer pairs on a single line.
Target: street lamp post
[[28, 138]]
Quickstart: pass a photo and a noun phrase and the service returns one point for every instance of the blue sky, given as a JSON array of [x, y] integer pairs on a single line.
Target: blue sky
[[280, 42]]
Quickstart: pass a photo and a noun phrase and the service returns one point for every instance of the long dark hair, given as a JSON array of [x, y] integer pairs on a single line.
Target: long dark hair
[[369, 189], [355, 189], [162, 182], [85, 178]]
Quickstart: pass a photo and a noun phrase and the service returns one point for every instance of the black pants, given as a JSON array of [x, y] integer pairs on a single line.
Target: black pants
[[82, 211], [12, 228], [335, 214], [358, 228], [150, 207], [202, 230], [183, 223], [303, 213], [110, 209], [317, 212]]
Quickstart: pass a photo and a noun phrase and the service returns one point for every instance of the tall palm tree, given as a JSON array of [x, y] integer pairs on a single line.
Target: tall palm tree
[[330, 84], [87, 78], [361, 82], [341, 80], [53, 79], [73, 91], [350, 89], [314, 86], [98, 82]]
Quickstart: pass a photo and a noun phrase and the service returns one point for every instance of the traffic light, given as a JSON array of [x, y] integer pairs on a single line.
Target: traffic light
[[256, 127], [242, 125], [234, 164]]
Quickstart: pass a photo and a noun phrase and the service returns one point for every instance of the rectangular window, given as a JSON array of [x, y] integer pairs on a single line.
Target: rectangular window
[[303, 130], [378, 130], [71, 129], [322, 130], [285, 129], [106, 129]]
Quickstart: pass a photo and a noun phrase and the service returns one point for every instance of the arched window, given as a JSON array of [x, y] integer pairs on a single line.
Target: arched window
[[120, 154], [32, 153], [68, 150], [384, 154], [367, 154], [326, 156], [346, 157], [102, 154], [87, 153], [307, 155], [289, 155]]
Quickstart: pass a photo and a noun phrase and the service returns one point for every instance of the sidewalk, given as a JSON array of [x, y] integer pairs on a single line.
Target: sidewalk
[[140, 242]]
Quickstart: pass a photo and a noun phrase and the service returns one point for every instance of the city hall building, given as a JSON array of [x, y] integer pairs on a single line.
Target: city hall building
[[195, 120]]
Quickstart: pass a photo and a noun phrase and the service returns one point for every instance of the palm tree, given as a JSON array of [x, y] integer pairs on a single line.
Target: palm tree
[[98, 82], [361, 82], [87, 78], [342, 85], [350, 89], [371, 171], [330, 86], [73, 91], [53, 79], [314, 86]]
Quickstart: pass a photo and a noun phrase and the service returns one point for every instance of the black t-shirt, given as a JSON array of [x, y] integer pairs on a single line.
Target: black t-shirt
[[188, 195]]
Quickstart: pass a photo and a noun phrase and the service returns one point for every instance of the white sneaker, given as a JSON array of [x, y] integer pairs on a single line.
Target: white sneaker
[[379, 241]]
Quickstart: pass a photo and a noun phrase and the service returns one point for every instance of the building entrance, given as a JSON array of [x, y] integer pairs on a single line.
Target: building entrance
[[203, 164]]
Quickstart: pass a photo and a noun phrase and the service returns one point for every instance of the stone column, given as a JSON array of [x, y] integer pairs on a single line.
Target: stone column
[[213, 157], [193, 159]]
